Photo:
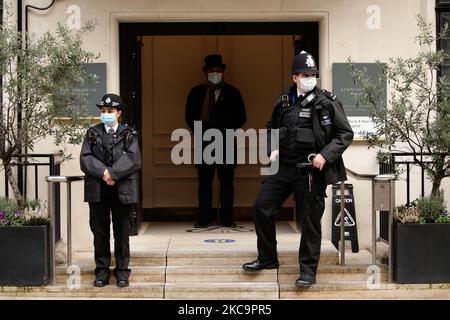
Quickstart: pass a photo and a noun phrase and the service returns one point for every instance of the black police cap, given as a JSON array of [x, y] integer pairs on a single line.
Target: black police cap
[[112, 100], [304, 63]]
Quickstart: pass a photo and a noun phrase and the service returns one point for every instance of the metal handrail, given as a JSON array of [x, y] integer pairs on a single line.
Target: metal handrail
[[51, 180], [360, 176], [374, 178]]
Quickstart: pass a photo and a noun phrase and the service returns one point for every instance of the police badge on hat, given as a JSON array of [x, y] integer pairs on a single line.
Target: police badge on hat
[[112, 100]]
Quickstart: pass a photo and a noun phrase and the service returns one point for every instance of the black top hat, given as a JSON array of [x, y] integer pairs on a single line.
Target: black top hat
[[112, 100], [213, 60]]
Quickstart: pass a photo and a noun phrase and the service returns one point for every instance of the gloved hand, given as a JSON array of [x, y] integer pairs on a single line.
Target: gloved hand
[[274, 155]]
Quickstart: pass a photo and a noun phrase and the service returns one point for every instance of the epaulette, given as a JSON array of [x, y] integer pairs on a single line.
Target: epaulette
[[329, 95]]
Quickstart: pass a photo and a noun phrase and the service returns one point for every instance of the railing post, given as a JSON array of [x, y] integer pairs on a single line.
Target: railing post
[[374, 226], [51, 214], [391, 230], [342, 229], [69, 223], [52, 180]]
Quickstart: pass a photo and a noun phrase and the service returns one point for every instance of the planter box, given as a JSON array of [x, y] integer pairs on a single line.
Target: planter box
[[24, 256], [421, 253]]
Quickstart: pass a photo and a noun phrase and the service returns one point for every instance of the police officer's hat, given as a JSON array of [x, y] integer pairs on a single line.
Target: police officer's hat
[[304, 63], [213, 60], [112, 100]]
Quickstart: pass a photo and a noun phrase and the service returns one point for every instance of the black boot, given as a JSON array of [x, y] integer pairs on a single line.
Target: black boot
[[305, 281], [258, 265]]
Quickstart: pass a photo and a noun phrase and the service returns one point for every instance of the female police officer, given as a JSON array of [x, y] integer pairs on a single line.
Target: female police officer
[[313, 132], [110, 158]]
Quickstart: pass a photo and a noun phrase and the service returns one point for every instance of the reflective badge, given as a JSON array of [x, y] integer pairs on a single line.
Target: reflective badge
[[326, 121], [305, 113]]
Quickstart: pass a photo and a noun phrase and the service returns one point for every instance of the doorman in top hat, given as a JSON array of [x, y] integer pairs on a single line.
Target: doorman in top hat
[[313, 134], [218, 105], [110, 158]]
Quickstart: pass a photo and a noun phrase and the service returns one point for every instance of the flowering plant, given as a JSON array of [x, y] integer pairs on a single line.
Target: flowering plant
[[430, 209], [33, 215]]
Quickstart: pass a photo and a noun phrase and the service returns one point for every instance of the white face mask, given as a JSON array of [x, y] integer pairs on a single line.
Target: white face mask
[[306, 84], [215, 77]]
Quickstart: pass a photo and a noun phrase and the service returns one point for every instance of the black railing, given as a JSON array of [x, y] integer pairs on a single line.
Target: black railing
[[390, 167], [35, 161]]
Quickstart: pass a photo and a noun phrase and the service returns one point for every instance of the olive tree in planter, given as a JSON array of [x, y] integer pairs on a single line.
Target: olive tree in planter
[[38, 103], [416, 120]]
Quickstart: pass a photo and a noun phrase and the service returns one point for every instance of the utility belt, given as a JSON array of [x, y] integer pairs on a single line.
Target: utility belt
[[305, 168]]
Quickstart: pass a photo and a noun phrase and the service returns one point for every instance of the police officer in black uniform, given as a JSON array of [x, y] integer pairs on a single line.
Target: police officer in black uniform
[[313, 134], [110, 158]]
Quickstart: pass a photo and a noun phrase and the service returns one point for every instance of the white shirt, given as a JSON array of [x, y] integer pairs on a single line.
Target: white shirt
[[113, 127], [217, 94], [300, 93]]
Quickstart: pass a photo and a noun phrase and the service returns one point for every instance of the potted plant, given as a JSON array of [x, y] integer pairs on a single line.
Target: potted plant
[[24, 244], [421, 239]]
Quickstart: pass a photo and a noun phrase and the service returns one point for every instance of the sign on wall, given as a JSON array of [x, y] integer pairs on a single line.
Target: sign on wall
[[347, 91], [93, 91]]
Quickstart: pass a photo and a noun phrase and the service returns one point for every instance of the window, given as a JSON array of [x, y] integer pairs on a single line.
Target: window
[[442, 17]]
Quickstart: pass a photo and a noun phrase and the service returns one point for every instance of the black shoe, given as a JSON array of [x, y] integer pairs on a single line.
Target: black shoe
[[101, 282], [123, 283], [199, 225], [230, 225], [101, 277], [258, 265], [305, 281]]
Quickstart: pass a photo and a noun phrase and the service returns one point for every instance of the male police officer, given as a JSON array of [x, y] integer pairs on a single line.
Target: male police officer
[[313, 134], [110, 158]]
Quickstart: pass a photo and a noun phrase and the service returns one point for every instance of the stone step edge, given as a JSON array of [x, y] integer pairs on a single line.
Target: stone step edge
[[150, 269]]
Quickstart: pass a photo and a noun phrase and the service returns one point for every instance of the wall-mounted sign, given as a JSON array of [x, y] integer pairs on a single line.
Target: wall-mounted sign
[[93, 91], [347, 91]]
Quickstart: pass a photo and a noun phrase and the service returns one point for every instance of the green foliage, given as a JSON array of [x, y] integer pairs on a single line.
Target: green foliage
[[36, 221], [416, 118], [430, 209], [8, 206], [33, 204], [12, 216], [39, 82]]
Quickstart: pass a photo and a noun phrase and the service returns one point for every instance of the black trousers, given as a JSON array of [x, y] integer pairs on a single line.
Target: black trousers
[[205, 178], [309, 209], [100, 221]]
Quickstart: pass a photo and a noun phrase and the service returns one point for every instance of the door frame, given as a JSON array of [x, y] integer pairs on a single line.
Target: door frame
[[130, 63]]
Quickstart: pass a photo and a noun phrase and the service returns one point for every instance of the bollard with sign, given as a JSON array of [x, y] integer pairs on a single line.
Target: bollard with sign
[[350, 230]]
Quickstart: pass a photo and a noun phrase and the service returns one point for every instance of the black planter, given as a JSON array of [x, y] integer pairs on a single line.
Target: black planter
[[24, 256], [421, 253]]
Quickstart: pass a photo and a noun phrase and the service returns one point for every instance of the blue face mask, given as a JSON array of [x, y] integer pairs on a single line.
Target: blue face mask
[[108, 118]]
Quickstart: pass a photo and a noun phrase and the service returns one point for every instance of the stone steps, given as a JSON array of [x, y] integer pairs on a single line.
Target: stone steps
[[200, 258], [240, 290], [244, 290], [139, 274], [195, 274], [219, 275], [134, 291]]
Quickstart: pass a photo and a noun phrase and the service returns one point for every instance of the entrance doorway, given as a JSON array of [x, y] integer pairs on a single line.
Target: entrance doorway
[[161, 62]]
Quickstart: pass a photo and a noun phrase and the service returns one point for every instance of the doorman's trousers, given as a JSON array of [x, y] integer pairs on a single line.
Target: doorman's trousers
[[206, 173], [309, 210], [100, 220]]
